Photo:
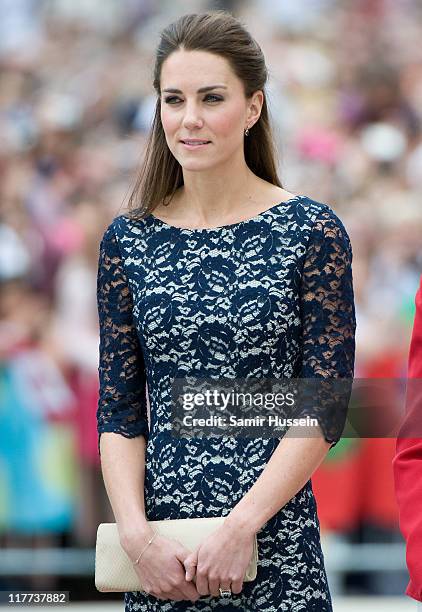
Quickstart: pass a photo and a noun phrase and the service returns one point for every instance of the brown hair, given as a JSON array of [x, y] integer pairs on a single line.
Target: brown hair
[[217, 32]]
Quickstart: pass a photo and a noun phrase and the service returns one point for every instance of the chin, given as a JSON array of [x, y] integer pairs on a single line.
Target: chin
[[193, 165]]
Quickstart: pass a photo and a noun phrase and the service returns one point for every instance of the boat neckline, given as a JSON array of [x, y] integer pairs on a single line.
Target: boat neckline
[[211, 229]]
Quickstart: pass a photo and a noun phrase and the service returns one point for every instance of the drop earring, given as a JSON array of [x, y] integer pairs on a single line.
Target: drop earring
[[247, 132]]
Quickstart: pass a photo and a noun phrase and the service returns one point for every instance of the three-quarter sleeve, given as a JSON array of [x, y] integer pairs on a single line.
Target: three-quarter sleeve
[[122, 406], [328, 320]]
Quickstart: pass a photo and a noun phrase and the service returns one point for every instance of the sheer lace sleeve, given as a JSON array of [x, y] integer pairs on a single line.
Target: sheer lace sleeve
[[122, 406], [328, 319]]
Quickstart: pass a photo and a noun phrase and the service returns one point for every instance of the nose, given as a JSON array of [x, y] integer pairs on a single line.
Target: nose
[[192, 118]]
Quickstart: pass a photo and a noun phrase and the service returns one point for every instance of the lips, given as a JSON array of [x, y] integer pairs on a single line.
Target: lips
[[195, 142]]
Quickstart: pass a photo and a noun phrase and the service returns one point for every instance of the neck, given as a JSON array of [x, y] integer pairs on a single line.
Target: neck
[[211, 197]]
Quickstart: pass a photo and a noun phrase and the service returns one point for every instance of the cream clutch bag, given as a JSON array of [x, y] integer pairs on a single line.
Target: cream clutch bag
[[114, 570]]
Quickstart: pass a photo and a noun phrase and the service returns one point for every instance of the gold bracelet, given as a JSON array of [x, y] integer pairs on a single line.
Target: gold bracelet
[[144, 549]]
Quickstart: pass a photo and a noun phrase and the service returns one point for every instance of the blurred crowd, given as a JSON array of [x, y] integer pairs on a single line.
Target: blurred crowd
[[76, 102]]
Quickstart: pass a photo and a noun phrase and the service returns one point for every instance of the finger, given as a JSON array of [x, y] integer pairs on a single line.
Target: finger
[[237, 586], [214, 586], [187, 588], [202, 585], [190, 564], [189, 591], [190, 570]]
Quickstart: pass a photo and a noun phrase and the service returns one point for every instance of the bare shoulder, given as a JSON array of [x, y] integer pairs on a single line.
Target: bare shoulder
[[281, 194], [266, 192]]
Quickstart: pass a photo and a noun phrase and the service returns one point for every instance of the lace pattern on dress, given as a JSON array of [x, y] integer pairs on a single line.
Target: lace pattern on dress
[[122, 406], [328, 313]]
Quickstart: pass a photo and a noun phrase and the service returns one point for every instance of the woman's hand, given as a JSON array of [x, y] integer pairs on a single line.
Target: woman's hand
[[221, 560], [160, 569]]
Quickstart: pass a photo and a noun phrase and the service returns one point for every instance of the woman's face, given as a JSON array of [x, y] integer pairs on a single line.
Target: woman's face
[[219, 115]]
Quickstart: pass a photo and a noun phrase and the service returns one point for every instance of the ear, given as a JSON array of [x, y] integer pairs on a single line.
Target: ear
[[255, 106]]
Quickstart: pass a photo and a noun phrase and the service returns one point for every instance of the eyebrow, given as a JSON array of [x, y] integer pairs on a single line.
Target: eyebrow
[[201, 90]]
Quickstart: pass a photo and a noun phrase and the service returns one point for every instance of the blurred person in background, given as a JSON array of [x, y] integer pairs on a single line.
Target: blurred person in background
[[165, 313], [76, 325], [38, 475], [407, 464]]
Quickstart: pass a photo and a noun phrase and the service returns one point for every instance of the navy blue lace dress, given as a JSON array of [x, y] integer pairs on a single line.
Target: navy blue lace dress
[[272, 297]]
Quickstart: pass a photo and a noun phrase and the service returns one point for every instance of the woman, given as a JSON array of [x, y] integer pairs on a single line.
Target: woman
[[235, 277]]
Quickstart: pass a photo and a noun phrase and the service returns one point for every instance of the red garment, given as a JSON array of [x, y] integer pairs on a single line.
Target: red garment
[[407, 463], [85, 389]]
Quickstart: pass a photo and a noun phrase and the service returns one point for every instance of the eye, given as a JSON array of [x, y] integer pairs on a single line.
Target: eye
[[216, 98], [170, 99]]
